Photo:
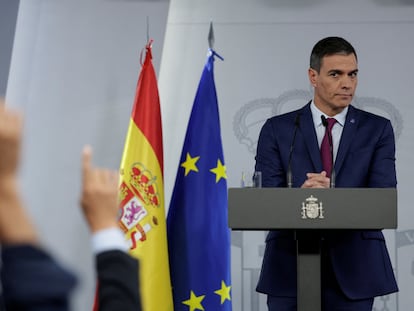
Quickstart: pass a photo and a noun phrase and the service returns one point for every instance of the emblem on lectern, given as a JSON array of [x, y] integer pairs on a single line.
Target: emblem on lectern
[[312, 208]]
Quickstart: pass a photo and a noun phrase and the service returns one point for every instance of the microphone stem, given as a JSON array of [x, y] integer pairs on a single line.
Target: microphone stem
[[289, 168], [333, 178]]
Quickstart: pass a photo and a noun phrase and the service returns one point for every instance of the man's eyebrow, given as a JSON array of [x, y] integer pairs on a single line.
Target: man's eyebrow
[[335, 71], [341, 71]]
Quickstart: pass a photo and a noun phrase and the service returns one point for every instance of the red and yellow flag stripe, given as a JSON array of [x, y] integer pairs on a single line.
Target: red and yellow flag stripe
[[142, 213]]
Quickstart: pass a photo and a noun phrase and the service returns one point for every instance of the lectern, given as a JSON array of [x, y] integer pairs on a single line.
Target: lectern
[[306, 211]]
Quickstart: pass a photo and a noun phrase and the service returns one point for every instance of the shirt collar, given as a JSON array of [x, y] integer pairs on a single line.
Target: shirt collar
[[316, 115]]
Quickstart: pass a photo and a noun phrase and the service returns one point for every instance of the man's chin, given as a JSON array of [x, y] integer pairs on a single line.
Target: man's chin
[[343, 103]]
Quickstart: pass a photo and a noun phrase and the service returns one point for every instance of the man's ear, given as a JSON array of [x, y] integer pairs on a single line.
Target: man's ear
[[313, 76]]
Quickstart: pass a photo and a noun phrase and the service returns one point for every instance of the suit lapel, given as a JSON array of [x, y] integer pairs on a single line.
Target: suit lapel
[[309, 134], [348, 135]]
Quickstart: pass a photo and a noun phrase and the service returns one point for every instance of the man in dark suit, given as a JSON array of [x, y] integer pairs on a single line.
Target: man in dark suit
[[31, 279], [355, 264]]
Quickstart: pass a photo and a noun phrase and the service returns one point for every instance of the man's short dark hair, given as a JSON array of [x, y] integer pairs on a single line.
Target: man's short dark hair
[[329, 46]]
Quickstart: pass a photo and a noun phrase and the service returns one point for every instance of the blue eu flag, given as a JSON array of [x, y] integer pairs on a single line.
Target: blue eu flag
[[198, 233]]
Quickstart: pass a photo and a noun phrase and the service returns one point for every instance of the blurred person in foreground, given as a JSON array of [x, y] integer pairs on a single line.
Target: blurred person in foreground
[[117, 271], [31, 278]]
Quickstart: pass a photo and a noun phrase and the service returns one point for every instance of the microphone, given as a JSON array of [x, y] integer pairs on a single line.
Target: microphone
[[333, 174], [289, 170], [324, 121]]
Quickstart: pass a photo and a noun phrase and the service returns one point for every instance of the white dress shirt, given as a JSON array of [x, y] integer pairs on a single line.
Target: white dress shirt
[[336, 130]]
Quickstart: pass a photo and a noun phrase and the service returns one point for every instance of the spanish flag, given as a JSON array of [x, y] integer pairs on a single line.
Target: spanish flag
[[142, 214]]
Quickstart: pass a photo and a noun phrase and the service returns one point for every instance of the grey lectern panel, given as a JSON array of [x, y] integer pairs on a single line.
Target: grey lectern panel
[[297, 208]]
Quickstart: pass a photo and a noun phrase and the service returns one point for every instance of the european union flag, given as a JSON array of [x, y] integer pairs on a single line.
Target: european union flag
[[198, 233]]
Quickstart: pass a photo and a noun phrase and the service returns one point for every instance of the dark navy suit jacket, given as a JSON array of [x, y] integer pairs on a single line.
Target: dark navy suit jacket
[[118, 282], [33, 281], [365, 158]]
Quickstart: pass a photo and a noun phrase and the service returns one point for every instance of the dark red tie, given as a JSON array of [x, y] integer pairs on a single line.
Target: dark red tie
[[326, 151]]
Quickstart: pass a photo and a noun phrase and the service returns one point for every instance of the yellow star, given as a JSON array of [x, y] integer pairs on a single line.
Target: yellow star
[[219, 170], [190, 164], [194, 302], [224, 292]]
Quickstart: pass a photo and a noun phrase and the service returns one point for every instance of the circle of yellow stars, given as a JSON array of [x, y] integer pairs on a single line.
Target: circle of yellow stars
[[190, 165]]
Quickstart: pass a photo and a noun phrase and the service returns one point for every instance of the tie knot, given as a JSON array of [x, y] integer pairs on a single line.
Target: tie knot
[[331, 122]]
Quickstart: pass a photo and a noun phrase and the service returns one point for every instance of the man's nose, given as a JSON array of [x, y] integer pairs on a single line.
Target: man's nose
[[347, 82]]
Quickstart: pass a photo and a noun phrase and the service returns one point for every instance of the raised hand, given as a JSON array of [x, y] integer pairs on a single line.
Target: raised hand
[[11, 129], [99, 199]]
